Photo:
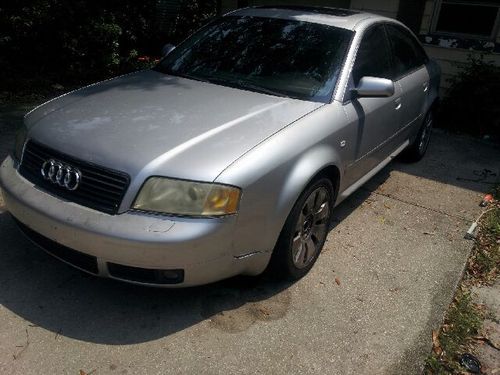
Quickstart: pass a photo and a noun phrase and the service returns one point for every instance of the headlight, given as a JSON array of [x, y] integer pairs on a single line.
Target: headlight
[[178, 197], [21, 135]]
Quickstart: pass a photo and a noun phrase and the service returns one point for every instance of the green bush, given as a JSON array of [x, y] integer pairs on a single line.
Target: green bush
[[192, 15], [72, 42], [471, 104]]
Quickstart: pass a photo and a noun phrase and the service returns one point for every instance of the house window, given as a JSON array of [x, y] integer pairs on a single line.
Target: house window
[[477, 18]]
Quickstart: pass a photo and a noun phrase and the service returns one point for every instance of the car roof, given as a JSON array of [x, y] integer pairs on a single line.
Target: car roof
[[343, 18]]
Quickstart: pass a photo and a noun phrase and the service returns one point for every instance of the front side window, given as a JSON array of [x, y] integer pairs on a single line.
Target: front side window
[[276, 56], [408, 55], [372, 58]]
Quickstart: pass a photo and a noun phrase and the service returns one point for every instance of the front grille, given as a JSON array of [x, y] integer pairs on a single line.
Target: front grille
[[100, 188], [83, 261]]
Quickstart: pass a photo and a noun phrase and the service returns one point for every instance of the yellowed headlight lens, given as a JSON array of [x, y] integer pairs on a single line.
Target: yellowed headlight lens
[[179, 197], [222, 200]]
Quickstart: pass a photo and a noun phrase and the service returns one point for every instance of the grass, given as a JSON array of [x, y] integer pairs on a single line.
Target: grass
[[463, 321], [464, 318], [483, 265]]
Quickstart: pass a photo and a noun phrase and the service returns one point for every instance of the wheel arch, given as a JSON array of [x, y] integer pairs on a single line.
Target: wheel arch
[[321, 161]]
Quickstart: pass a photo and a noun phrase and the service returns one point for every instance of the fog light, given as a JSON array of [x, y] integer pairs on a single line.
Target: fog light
[[170, 274]]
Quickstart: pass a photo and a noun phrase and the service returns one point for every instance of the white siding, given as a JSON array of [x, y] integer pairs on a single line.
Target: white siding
[[228, 5], [427, 17], [387, 8]]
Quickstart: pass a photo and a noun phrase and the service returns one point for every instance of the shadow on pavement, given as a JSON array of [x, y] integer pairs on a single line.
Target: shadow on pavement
[[49, 294]]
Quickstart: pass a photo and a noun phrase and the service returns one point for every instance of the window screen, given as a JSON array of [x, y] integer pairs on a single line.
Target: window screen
[[471, 17]]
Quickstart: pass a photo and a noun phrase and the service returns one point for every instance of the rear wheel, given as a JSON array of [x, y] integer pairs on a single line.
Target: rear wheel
[[417, 149], [305, 231]]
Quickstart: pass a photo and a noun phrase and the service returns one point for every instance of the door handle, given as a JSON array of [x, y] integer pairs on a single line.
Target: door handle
[[397, 103]]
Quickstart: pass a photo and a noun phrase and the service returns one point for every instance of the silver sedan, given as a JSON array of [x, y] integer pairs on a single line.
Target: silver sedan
[[229, 156]]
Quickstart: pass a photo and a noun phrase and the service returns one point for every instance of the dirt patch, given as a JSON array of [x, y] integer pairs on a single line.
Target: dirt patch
[[236, 310]]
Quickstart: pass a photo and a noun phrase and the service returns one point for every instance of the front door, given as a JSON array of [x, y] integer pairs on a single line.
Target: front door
[[376, 120]]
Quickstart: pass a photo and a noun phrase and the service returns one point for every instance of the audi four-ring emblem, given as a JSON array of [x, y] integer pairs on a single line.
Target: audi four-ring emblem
[[61, 174]]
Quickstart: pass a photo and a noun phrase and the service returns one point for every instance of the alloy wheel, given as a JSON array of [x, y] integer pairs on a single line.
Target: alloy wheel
[[426, 134], [311, 228]]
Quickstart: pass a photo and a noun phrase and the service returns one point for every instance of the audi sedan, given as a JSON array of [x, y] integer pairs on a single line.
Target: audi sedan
[[229, 156]]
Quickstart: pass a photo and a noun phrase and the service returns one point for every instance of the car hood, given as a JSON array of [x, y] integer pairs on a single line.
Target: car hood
[[148, 123]]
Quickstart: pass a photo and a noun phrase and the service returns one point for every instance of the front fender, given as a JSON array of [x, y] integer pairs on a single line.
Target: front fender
[[274, 174], [319, 158]]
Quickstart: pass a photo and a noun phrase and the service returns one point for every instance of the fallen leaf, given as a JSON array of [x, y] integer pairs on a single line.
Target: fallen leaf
[[436, 346]]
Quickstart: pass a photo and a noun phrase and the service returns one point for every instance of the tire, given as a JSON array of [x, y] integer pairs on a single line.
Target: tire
[[304, 233], [416, 151]]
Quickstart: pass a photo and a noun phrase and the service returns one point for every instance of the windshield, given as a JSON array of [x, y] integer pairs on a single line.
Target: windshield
[[275, 56]]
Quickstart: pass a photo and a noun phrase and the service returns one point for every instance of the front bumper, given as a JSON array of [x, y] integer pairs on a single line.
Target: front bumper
[[203, 249]]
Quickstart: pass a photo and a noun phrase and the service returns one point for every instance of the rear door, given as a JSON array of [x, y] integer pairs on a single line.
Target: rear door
[[409, 70]]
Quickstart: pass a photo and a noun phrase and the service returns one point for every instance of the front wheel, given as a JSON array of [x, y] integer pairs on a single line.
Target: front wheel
[[305, 231], [417, 149]]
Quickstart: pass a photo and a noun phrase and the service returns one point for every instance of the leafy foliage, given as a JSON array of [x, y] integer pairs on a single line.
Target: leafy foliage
[[78, 41], [471, 105], [192, 15]]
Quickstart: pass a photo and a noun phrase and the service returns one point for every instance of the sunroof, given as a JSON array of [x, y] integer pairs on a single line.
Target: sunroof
[[313, 9]]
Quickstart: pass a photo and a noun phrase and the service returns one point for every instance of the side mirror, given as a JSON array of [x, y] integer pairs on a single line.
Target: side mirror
[[167, 48], [373, 87]]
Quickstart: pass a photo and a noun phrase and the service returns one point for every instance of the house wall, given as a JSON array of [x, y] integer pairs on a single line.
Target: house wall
[[228, 5], [387, 8], [451, 59]]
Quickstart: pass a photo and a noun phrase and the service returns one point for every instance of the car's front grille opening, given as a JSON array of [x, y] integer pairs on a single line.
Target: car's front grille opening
[[83, 261], [145, 275], [100, 188]]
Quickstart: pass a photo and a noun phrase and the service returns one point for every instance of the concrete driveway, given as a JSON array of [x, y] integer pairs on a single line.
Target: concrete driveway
[[387, 273]]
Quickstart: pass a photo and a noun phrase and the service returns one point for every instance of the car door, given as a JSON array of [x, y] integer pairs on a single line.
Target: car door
[[374, 119], [409, 70]]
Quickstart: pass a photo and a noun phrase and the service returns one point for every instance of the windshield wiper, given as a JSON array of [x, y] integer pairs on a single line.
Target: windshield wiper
[[236, 83], [264, 90], [245, 85], [182, 75]]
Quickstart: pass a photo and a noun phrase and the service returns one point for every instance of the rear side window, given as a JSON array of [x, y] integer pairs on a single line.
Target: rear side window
[[372, 58], [408, 55]]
